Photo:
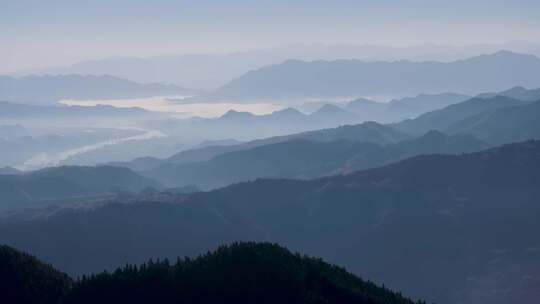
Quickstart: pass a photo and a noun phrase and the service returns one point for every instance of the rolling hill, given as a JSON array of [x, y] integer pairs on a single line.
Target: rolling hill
[[37, 187], [404, 108], [371, 132], [518, 92], [304, 159], [510, 124], [237, 273], [445, 118]]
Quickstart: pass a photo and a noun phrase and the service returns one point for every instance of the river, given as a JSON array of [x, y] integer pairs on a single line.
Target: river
[[42, 160]]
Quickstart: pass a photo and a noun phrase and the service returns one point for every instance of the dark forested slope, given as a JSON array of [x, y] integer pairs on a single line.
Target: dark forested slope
[[26, 280], [238, 273]]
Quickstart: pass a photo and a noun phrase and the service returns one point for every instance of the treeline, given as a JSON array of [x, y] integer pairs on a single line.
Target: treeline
[[26, 280], [238, 273]]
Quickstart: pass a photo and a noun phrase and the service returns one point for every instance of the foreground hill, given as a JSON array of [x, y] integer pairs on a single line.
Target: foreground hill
[[448, 228], [239, 273], [300, 158], [346, 78], [49, 89], [26, 280], [19, 190]]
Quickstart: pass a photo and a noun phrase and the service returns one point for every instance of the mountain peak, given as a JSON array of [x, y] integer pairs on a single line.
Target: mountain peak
[[233, 114], [505, 53], [516, 90], [288, 112], [330, 109]]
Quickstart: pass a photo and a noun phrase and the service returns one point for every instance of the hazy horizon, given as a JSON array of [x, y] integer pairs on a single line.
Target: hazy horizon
[[41, 34]]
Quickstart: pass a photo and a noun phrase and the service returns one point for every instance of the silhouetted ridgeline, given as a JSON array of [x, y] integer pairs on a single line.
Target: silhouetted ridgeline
[[300, 158], [26, 280], [370, 132], [518, 92], [60, 112], [399, 109], [295, 78], [504, 125], [239, 273], [483, 117], [447, 117]]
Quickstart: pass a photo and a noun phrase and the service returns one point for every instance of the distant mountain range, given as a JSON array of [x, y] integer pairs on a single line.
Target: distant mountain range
[[238, 273], [369, 132], [304, 159], [210, 71], [34, 188], [520, 93], [49, 89], [400, 109], [447, 117], [472, 217], [325, 117], [247, 126], [503, 125], [25, 111], [349, 78], [476, 123]]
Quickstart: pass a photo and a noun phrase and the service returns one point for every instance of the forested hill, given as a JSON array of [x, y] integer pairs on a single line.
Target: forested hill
[[239, 273], [26, 280]]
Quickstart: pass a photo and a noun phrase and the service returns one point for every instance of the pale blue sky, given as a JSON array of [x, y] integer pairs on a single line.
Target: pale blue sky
[[42, 33]]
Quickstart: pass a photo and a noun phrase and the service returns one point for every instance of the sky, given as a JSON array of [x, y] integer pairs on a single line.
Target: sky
[[35, 34]]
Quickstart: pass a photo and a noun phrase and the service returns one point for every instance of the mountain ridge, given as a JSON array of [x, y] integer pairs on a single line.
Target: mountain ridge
[[244, 272], [304, 159], [296, 79], [29, 188]]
